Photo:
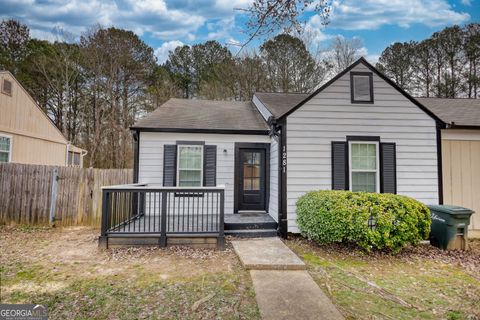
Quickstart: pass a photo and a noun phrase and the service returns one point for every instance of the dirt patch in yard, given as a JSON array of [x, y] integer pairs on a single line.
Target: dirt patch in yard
[[420, 282], [64, 269]]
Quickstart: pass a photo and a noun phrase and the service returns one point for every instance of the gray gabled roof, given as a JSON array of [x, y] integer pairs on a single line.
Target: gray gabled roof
[[189, 115], [280, 103], [455, 112]]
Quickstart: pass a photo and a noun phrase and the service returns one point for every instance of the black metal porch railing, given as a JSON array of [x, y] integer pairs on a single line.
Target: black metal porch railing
[[162, 211]]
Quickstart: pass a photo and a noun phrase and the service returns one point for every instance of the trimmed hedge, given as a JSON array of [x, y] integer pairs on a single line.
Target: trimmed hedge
[[342, 216]]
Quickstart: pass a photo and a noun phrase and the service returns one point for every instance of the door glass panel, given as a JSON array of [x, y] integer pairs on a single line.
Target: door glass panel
[[247, 171], [251, 171], [247, 184], [256, 184]]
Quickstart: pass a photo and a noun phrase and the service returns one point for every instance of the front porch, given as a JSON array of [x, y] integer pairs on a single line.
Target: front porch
[[142, 214]]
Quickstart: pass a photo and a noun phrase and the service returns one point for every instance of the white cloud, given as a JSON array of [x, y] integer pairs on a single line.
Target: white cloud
[[162, 51], [466, 2], [372, 58], [163, 19], [372, 14], [221, 29], [314, 29], [232, 4]]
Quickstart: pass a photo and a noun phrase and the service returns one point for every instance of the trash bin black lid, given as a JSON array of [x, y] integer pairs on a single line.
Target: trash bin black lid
[[450, 209]]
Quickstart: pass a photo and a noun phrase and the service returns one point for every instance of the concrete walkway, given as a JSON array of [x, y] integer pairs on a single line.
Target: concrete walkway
[[284, 290]]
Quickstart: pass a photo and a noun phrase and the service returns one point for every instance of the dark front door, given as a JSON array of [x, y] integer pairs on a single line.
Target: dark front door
[[252, 185]]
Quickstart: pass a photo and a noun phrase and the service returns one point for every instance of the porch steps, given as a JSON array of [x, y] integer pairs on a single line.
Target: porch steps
[[250, 225], [252, 233]]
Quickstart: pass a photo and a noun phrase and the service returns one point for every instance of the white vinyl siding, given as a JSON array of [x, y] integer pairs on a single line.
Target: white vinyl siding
[[330, 116], [151, 156], [273, 201]]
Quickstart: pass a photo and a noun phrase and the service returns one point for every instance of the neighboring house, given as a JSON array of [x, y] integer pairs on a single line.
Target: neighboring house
[[460, 153], [27, 135]]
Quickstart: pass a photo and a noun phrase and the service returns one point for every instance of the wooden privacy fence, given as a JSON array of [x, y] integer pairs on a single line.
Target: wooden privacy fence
[[37, 194]]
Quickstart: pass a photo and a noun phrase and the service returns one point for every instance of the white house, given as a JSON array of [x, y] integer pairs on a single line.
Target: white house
[[357, 132]]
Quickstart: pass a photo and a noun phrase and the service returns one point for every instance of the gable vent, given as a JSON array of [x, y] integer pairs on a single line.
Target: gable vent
[[7, 87], [361, 85]]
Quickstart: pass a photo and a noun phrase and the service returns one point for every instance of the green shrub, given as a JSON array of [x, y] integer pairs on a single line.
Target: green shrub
[[343, 216]]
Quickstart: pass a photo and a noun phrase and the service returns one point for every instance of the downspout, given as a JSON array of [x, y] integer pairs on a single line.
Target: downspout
[[66, 155], [136, 152], [283, 180], [439, 127], [82, 154]]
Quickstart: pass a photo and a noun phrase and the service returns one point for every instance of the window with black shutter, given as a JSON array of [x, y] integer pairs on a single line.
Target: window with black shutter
[[361, 87], [210, 166], [190, 165], [169, 165], [364, 172], [388, 165], [339, 165], [364, 165]]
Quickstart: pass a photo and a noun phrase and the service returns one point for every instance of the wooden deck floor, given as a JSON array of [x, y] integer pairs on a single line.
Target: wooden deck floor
[[186, 224], [175, 224]]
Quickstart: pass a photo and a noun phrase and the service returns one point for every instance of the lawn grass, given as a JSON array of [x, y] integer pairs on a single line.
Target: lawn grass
[[64, 270], [413, 285]]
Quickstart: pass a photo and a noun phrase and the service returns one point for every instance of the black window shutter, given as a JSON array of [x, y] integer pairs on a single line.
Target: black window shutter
[[169, 165], [388, 171], [210, 166], [339, 165]]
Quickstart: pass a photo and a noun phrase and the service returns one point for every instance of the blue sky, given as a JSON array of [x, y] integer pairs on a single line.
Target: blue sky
[[164, 24]]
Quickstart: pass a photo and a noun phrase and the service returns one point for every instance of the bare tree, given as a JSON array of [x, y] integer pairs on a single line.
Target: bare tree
[[60, 69], [472, 56], [289, 65], [343, 52], [251, 75], [396, 63], [424, 66], [267, 17]]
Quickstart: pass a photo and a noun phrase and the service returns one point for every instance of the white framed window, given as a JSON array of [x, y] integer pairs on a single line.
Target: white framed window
[[73, 158], [364, 166], [5, 148], [189, 165]]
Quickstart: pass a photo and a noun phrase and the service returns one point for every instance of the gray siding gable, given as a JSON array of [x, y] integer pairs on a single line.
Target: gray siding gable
[[329, 116]]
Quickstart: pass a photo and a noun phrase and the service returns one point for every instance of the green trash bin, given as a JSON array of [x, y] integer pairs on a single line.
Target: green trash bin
[[449, 228]]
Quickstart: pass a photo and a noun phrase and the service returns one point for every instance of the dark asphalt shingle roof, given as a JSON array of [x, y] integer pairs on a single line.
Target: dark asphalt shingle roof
[[462, 112], [280, 103], [204, 115]]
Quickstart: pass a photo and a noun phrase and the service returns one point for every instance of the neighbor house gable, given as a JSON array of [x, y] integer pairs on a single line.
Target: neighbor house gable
[[21, 114]]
